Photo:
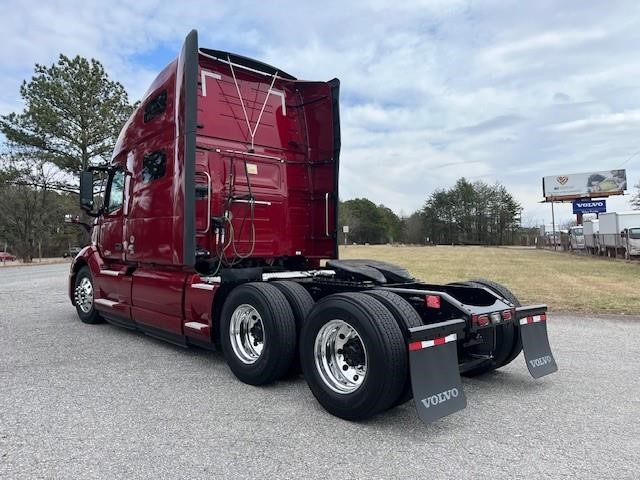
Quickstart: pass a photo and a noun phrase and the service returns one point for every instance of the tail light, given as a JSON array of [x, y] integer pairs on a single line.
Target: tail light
[[432, 301], [480, 320]]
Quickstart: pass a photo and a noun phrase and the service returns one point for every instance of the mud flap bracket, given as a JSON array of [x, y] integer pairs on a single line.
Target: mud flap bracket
[[435, 376]]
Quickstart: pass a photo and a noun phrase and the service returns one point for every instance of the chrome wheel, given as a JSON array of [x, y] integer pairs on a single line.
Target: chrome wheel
[[340, 357], [84, 295], [246, 333]]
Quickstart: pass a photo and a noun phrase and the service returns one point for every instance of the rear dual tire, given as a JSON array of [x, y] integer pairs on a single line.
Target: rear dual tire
[[353, 355], [258, 333], [301, 303], [351, 346], [406, 317]]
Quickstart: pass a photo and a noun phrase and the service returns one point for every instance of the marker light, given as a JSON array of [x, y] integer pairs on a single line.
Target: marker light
[[480, 320], [432, 301]]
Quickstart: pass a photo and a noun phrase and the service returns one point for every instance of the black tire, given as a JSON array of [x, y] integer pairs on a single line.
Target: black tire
[[278, 329], [301, 303], [406, 317], [87, 314], [508, 341], [386, 356]]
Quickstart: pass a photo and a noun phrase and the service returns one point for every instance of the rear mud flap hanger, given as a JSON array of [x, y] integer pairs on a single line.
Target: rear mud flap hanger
[[433, 361]]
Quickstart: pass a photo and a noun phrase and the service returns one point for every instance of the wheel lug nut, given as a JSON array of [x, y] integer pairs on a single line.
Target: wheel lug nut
[[341, 336], [345, 367], [340, 351], [355, 378]]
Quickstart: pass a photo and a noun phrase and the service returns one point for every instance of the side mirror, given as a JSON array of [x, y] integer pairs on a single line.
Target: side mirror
[[623, 233], [86, 191]]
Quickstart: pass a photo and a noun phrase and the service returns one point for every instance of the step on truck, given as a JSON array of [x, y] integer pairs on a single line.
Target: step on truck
[[218, 229]]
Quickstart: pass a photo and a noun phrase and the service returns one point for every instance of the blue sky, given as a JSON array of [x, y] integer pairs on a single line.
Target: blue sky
[[431, 90]]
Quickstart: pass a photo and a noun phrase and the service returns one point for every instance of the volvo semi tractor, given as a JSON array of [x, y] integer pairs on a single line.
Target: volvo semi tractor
[[218, 229]]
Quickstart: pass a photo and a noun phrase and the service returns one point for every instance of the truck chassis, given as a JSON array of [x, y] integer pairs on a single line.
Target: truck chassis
[[364, 344]]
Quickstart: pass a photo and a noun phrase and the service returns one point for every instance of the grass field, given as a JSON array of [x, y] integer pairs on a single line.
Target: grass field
[[562, 281]]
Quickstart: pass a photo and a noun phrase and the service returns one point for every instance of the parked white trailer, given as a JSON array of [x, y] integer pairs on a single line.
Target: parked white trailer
[[590, 230], [620, 233]]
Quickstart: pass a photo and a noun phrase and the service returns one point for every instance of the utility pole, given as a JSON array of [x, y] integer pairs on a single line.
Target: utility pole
[[553, 221]]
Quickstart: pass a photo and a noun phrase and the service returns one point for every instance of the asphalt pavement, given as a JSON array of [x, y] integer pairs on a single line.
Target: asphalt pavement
[[81, 401]]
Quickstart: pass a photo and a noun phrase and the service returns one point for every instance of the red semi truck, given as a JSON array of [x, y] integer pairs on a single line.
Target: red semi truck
[[219, 211]]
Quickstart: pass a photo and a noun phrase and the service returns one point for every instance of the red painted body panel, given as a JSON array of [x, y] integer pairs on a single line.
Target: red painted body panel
[[164, 299], [292, 168], [157, 299], [197, 307]]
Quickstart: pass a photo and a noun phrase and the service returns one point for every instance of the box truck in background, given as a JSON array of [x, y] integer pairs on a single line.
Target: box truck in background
[[619, 234], [590, 231], [576, 238]]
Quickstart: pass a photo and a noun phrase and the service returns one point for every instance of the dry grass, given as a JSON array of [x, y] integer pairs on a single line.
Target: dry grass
[[562, 281]]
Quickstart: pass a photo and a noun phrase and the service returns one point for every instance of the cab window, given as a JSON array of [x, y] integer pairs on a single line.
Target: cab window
[[116, 193], [154, 166], [634, 233]]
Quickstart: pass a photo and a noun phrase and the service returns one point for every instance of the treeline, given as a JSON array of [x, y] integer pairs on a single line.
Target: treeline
[[31, 221], [71, 119], [469, 213]]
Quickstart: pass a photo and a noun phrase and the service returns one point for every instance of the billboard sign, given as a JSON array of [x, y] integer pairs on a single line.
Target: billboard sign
[[585, 185], [589, 206]]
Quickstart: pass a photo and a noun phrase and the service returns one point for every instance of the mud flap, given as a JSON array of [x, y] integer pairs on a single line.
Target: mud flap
[[535, 344], [435, 377]]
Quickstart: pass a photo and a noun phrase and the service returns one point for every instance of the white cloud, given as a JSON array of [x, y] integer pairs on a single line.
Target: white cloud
[[522, 51], [629, 119]]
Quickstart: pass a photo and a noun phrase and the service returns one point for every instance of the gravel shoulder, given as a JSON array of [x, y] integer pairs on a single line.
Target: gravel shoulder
[[81, 401]]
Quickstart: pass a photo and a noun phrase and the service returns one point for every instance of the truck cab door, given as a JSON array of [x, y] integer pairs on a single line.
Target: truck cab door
[[112, 285], [111, 244]]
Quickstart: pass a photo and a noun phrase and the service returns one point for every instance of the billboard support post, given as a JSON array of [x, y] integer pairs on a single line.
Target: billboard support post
[[553, 221]]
